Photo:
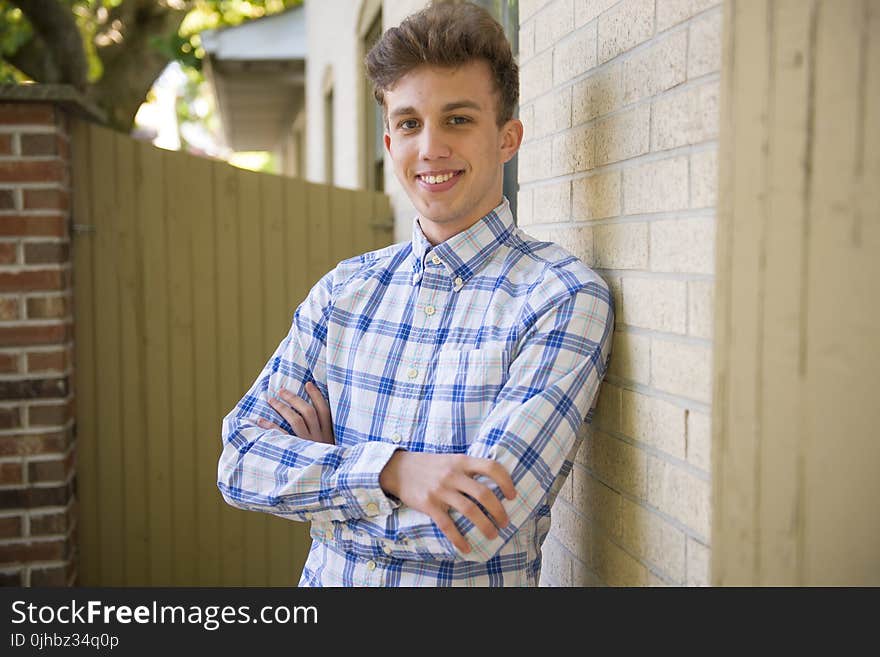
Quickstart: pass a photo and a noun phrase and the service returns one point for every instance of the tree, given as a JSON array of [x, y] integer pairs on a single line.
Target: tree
[[112, 50]]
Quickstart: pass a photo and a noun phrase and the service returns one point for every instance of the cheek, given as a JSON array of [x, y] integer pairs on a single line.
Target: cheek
[[401, 156]]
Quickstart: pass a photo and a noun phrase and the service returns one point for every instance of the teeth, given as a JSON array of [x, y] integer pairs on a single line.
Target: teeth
[[436, 180]]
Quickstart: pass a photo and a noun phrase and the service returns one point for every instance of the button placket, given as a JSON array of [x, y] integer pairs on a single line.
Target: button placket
[[412, 363]]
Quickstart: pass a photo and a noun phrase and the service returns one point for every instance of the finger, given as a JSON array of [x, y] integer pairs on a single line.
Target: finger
[[266, 424], [305, 409], [472, 512], [321, 407], [484, 495], [445, 524], [495, 471], [293, 418]]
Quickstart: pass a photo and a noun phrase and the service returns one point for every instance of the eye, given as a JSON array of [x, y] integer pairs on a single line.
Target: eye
[[459, 120], [408, 124]]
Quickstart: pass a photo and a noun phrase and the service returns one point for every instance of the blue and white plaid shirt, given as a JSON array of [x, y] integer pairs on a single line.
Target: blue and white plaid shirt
[[490, 344]]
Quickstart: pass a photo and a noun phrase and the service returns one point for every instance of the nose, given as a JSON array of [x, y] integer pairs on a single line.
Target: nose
[[433, 144]]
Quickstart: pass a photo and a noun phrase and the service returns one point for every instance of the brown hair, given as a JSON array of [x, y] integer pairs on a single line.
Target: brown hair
[[447, 34]]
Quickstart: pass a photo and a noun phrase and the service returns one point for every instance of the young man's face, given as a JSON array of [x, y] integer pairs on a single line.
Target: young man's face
[[442, 127]]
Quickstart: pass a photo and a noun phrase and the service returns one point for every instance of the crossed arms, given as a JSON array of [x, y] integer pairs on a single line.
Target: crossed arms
[[287, 464]]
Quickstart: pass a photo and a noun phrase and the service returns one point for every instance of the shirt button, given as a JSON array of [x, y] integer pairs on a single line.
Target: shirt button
[[430, 310], [396, 438], [458, 282], [436, 259], [308, 516], [412, 373], [372, 508], [371, 565], [386, 549]]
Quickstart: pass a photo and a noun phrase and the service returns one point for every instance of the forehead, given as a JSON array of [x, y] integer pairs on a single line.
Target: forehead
[[428, 87]]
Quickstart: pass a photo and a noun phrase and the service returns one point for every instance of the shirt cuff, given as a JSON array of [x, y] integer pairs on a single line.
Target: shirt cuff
[[370, 459]]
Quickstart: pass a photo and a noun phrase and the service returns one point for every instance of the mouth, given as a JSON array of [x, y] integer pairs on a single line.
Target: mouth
[[439, 180]]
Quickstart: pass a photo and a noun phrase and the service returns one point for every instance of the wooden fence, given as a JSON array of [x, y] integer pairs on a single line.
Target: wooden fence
[[187, 273]]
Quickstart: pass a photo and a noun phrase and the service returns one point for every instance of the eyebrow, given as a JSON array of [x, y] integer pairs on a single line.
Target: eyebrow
[[448, 107]]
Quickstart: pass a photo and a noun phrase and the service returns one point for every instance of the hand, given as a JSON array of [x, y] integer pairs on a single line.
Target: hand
[[436, 483], [310, 421]]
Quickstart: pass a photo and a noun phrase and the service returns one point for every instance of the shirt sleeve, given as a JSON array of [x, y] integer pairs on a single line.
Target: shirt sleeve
[[532, 430], [280, 473]]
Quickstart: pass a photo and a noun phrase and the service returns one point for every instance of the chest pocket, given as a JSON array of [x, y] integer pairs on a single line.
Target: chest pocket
[[459, 396]]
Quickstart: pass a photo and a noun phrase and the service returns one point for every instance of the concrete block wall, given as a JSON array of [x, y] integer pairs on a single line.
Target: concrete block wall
[[37, 456], [620, 101]]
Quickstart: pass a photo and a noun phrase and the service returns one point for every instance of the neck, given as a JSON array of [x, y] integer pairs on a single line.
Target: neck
[[437, 233]]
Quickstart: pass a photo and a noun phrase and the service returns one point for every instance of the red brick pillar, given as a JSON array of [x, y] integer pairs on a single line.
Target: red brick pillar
[[37, 450]]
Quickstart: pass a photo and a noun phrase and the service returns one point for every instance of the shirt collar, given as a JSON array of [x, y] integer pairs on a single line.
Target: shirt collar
[[465, 253]]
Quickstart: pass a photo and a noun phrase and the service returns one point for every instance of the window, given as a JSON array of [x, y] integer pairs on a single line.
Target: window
[[374, 125], [328, 136]]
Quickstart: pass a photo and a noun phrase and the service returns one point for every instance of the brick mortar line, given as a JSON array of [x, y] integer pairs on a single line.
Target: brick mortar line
[[43, 213], [574, 558], [649, 565], [32, 158], [625, 328], [36, 374], [610, 167], [546, 4], [38, 511], [42, 538], [25, 267], [31, 184], [56, 427], [23, 432], [672, 276], [677, 524], [666, 457], [41, 348], [32, 538], [664, 336], [36, 323], [32, 294], [54, 483], [37, 485], [9, 404], [681, 402], [655, 35], [34, 239], [707, 214], [680, 88], [688, 150], [31, 565], [33, 129], [37, 458], [604, 67]]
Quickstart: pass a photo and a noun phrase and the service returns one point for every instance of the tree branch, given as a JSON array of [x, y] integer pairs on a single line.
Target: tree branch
[[131, 68], [35, 61], [56, 26]]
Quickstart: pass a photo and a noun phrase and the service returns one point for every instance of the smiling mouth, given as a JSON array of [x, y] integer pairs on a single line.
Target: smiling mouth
[[440, 178]]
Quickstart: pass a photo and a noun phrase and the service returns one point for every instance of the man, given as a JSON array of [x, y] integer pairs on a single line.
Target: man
[[448, 375]]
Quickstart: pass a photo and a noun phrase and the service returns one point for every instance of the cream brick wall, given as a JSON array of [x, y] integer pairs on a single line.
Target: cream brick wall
[[620, 101]]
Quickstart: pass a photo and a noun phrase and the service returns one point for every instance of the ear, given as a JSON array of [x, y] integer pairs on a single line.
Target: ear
[[387, 139], [511, 138]]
